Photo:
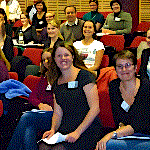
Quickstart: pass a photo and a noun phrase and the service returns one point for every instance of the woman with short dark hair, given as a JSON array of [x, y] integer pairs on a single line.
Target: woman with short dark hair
[[118, 22], [129, 97], [94, 15], [39, 19]]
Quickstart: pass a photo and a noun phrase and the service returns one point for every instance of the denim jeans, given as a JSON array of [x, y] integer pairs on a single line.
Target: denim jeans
[[114, 144], [25, 134]]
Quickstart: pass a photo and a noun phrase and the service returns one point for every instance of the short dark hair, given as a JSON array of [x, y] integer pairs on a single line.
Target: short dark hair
[[125, 54], [70, 6], [2, 11], [94, 34], [95, 1], [43, 3], [115, 1]]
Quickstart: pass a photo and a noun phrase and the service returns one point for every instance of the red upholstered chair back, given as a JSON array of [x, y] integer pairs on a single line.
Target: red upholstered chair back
[[34, 54], [18, 23], [137, 40], [116, 41], [138, 65], [13, 75], [81, 14], [31, 81], [15, 49], [143, 26], [1, 108], [105, 61]]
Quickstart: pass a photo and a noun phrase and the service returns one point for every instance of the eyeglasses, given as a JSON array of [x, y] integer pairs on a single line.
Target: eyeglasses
[[127, 66], [92, 5]]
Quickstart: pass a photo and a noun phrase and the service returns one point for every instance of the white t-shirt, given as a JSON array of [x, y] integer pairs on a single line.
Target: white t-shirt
[[89, 50]]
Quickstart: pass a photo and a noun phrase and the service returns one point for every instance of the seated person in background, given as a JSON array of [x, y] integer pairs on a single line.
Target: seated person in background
[[29, 32], [6, 43], [39, 20], [129, 98], [143, 45], [118, 22], [25, 135], [91, 49], [145, 64], [76, 102], [53, 35], [12, 9], [4, 67], [71, 30], [8, 26], [94, 15], [49, 17]]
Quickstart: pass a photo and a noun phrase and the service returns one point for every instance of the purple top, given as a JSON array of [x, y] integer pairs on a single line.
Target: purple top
[[3, 72], [40, 94]]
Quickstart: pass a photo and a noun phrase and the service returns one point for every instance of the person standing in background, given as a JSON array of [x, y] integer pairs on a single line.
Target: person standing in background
[[12, 9], [94, 15]]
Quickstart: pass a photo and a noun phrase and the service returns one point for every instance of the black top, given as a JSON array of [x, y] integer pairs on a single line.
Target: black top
[[9, 30], [75, 107], [47, 42], [39, 23], [8, 48], [138, 115], [144, 62], [28, 35]]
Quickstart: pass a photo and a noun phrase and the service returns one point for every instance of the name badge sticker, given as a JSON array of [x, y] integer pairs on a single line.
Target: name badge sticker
[[125, 106], [72, 84], [117, 19], [49, 87]]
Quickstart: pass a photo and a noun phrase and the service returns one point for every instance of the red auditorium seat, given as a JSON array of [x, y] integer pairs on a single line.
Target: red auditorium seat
[[138, 65], [137, 40], [34, 54], [1, 108], [105, 61], [116, 41], [143, 27], [31, 81], [15, 49], [13, 75]]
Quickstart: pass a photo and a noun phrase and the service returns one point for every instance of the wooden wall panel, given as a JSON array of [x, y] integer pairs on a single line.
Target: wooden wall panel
[[144, 10]]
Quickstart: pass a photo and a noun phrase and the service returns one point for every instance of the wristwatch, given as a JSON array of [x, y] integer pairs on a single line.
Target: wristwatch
[[114, 135]]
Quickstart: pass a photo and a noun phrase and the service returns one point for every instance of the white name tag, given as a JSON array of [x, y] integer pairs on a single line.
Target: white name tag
[[117, 19], [41, 22], [125, 106], [49, 87], [73, 84]]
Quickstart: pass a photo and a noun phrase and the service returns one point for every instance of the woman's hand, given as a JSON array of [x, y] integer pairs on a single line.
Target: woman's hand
[[32, 42], [72, 137], [101, 145], [45, 107], [48, 134]]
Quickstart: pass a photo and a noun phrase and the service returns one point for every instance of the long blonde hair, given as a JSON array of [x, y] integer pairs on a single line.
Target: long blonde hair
[[56, 24], [2, 57]]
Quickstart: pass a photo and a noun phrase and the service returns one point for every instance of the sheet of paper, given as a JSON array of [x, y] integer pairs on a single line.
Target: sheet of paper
[[56, 138]]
